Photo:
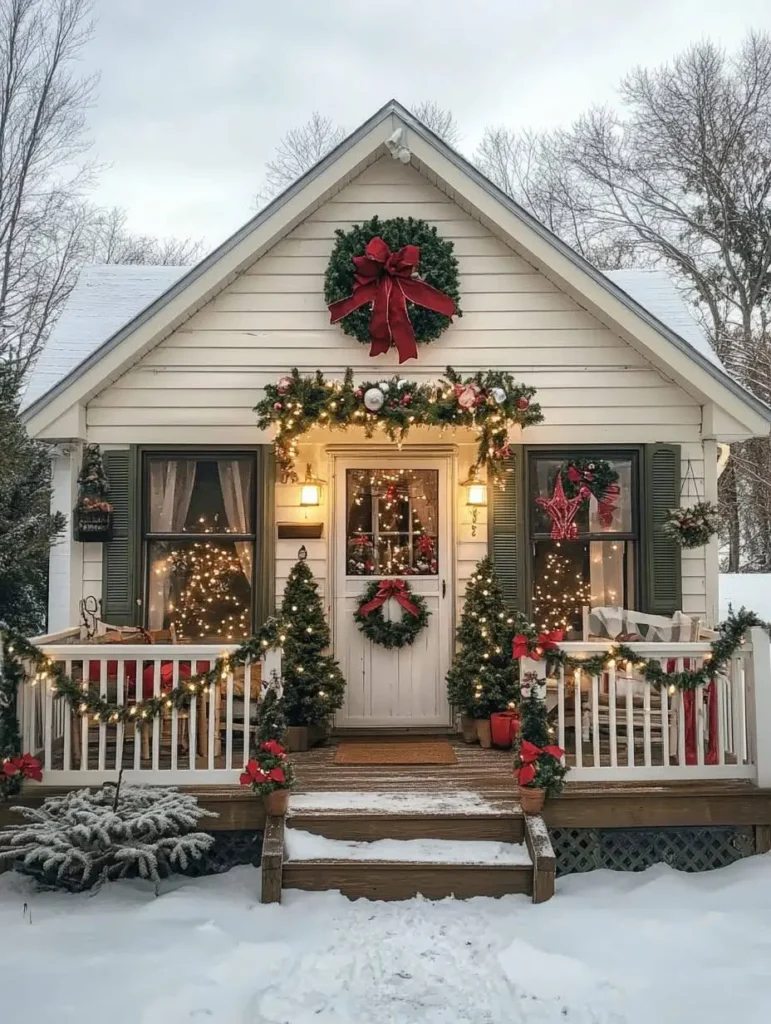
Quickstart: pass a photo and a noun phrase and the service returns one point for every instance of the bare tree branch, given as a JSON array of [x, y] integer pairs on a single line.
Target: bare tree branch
[[441, 121], [297, 152]]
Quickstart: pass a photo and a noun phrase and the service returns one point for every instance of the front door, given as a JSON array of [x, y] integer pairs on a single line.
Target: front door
[[393, 520]]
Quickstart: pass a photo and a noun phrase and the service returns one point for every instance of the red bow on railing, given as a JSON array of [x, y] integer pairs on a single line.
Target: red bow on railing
[[387, 280], [528, 755], [527, 647], [387, 589]]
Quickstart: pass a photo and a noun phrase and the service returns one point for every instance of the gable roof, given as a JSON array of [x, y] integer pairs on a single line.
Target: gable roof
[[612, 301]]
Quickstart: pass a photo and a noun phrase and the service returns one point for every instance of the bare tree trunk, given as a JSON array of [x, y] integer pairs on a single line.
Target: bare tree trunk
[[729, 507]]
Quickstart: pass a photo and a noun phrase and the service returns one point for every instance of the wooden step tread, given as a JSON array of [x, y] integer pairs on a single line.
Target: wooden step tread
[[305, 847]]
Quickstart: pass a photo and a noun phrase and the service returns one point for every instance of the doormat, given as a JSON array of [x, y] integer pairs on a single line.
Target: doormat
[[395, 750]]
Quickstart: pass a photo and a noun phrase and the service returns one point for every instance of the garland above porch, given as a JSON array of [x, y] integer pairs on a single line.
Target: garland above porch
[[490, 402]]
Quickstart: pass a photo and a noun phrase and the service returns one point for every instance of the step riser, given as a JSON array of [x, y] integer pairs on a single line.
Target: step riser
[[504, 830], [400, 882]]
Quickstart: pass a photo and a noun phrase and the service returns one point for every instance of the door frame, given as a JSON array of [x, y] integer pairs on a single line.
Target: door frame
[[337, 455]]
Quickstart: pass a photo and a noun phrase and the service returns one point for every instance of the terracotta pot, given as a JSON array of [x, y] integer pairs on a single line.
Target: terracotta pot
[[531, 800], [277, 802], [297, 738], [468, 729], [483, 732]]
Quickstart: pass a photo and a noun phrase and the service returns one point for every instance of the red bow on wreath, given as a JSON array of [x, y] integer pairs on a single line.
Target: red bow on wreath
[[388, 280], [386, 590], [527, 647], [528, 755]]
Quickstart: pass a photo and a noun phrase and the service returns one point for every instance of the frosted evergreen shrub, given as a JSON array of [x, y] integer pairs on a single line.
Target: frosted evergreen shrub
[[87, 837]]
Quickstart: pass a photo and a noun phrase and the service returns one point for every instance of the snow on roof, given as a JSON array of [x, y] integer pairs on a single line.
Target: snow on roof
[[103, 300], [106, 298], [656, 292]]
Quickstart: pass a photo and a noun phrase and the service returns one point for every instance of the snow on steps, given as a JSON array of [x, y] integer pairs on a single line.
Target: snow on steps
[[392, 845]]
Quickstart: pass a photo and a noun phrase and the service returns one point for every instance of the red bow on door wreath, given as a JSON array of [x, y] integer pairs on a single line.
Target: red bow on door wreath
[[528, 755], [388, 589], [529, 647], [388, 280]]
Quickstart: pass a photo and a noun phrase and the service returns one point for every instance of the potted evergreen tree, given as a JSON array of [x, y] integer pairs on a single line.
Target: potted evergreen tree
[[313, 683], [483, 676], [538, 765], [270, 773], [92, 518]]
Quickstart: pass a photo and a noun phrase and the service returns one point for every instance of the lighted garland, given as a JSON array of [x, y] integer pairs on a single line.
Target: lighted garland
[[721, 650], [85, 701], [438, 267], [490, 402], [394, 634]]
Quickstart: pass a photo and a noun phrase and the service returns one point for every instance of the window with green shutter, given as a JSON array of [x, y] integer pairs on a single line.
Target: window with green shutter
[[662, 568], [506, 532], [119, 582]]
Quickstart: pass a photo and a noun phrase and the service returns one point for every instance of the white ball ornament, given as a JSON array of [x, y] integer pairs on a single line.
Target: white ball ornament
[[499, 395], [401, 384], [373, 399], [384, 387]]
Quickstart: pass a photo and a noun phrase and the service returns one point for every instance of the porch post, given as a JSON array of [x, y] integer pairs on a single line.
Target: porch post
[[65, 562], [759, 704]]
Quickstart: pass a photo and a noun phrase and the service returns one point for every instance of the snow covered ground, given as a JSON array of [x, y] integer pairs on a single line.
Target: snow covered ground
[[652, 948]]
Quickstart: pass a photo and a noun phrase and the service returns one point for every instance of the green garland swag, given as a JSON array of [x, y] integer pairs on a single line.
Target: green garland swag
[[489, 402], [392, 634], [721, 651], [85, 701], [438, 267]]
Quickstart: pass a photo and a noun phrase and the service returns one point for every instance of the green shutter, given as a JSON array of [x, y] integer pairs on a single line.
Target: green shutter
[[265, 571], [507, 533], [662, 569], [119, 582]]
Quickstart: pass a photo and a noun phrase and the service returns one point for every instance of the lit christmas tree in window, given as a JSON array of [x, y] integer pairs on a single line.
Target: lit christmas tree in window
[[560, 593]]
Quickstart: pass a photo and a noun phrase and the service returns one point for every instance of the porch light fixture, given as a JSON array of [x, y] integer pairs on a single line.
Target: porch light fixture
[[476, 496], [310, 489]]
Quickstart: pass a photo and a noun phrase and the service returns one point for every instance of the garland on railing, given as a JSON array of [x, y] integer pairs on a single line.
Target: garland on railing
[[529, 642], [85, 701]]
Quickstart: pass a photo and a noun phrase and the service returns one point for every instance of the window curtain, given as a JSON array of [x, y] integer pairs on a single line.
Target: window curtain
[[171, 488], [236, 483], [606, 573]]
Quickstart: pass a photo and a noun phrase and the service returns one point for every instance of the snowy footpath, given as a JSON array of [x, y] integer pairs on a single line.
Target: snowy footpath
[[652, 948]]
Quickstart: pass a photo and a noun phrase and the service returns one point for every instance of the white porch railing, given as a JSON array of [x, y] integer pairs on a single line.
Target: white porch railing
[[205, 745], [615, 726]]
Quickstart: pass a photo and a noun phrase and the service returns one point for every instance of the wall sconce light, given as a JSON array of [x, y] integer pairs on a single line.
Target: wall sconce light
[[476, 496], [310, 489]]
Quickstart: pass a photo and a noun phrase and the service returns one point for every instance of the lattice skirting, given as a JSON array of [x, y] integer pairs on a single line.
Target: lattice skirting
[[635, 849]]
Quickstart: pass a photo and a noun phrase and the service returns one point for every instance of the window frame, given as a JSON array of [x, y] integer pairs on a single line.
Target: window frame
[[634, 452], [261, 503]]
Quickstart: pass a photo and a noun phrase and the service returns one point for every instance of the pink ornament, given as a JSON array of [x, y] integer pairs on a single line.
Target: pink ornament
[[523, 403], [359, 393], [406, 399], [469, 395], [277, 406], [284, 385]]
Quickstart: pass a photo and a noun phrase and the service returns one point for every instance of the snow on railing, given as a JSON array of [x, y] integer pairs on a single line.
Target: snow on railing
[[208, 743], [617, 726]]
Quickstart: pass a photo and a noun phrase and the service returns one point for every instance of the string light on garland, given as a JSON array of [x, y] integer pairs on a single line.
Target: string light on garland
[[297, 403]]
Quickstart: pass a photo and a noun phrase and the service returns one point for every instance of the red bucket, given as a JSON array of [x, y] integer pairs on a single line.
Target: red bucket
[[503, 728]]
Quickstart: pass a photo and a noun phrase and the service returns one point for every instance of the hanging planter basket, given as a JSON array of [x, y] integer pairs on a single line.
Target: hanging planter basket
[[692, 526], [92, 525]]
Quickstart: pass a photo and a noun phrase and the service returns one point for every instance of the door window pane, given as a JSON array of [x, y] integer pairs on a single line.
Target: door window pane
[[392, 522]]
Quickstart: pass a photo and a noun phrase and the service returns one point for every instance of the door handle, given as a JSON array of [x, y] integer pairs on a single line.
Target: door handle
[[444, 589]]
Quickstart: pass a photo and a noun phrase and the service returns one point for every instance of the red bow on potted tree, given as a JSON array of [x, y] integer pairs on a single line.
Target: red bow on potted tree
[[270, 774]]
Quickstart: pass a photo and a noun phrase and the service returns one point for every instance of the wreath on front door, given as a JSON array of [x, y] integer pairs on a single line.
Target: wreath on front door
[[394, 633]]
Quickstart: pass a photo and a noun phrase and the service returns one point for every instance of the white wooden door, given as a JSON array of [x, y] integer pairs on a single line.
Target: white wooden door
[[385, 508]]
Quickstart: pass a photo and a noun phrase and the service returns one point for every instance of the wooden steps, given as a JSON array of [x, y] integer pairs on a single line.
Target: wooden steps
[[509, 853]]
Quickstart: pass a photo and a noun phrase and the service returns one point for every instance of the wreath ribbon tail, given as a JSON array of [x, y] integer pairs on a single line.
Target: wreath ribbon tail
[[361, 296]]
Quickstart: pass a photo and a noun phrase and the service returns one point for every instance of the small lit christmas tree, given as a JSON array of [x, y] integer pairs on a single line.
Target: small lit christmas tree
[[313, 683], [213, 596], [559, 594], [483, 676]]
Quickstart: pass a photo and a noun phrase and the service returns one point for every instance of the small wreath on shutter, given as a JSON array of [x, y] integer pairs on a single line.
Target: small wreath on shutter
[[395, 633]]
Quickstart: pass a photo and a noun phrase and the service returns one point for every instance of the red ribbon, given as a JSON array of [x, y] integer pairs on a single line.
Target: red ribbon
[[528, 755], [606, 506], [525, 647], [388, 589], [388, 280]]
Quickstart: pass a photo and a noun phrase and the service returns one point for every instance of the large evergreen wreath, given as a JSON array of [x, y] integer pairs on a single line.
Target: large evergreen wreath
[[437, 267], [375, 626]]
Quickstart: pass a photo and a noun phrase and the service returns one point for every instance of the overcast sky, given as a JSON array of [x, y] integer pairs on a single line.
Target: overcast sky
[[194, 94]]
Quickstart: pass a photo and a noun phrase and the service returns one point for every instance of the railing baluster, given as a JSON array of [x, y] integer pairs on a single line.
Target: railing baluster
[[84, 717], [157, 719], [698, 707], [579, 728], [174, 716], [664, 699], [737, 708], [120, 699], [612, 724], [247, 709], [721, 693], [102, 756], [680, 720], [68, 724], [48, 735], [210, 730], [192, 727], [229, 722], [647, 753], [595, 721], [561, 707], [629, 685]]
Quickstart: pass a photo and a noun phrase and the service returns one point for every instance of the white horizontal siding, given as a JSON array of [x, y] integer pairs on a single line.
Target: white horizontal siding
[[201, 384]]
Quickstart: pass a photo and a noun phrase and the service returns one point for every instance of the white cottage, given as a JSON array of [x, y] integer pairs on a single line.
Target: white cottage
[[162, 367]]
